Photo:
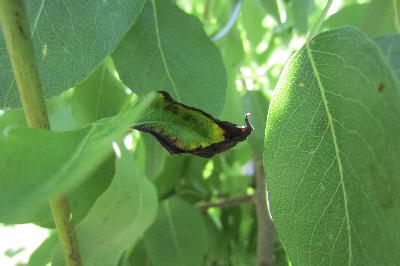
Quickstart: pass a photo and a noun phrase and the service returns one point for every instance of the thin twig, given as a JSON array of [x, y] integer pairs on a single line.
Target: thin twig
[[223, 203], [207, 7], [396, 16], [314, 31], [15, 27], [265, 229]]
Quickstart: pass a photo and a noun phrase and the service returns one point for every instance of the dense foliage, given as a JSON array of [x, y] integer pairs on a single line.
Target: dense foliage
[[330, 145]]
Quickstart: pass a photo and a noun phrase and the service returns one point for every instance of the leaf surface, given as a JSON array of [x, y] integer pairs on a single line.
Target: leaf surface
[[390, 46], [119, 217], [70, 38], [53, 162], [178, 237], [374, 18], [169, 50], [183, 129], [331, 153]]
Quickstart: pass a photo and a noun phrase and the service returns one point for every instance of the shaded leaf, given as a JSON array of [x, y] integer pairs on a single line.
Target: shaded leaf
[[168, 50], [101, 95], [183, 129], [390, 46], [178, 237], [373, 18], [119, 217], [257, 103], [331, 153], [53, 162], [43, 254], [71, 38], [299, 12]]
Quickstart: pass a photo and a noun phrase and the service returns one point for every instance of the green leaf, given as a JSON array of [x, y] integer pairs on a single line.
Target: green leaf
[[166, 181], [168, 50], [183, 129], [271, 7], [71, 38], [298, 13], [53, 162], [373, 18], [178, 237], [101, 95], [390, 45], [119, 217], [42, 255], [331, 153], [252, 19], [257, 103]]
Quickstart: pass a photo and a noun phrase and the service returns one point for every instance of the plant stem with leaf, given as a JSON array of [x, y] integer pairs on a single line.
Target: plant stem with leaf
[[314, 31], [15, 29]]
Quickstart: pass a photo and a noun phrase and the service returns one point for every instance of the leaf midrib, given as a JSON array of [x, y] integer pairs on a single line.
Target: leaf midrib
[[335, 144], [166, 68]]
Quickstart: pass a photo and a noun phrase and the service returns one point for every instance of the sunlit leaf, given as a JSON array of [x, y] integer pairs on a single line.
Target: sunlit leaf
[[331, 153], [71, 38]]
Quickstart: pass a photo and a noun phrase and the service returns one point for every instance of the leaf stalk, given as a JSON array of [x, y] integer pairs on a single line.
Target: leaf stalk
[[15, 28]]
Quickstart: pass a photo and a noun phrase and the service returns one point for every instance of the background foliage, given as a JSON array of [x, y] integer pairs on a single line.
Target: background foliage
[[331, 143]]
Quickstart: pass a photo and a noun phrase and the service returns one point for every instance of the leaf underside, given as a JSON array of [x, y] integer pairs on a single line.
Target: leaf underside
[[184, 129]]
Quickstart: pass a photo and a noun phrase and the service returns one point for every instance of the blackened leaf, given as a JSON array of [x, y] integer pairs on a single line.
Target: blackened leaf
[[184, 129]]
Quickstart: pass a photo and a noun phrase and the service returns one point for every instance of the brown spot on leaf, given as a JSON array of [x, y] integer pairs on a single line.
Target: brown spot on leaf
[[381, 87]]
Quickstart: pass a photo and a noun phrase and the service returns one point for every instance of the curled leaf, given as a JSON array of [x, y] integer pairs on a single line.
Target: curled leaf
[[184, 129]]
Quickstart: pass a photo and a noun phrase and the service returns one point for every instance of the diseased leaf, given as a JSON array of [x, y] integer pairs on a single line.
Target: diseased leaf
[[184, 129], [332, 152], [168, 50]]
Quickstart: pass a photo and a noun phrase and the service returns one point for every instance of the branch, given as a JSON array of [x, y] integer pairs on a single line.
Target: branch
[[265, 230], [223, 203], [15, 27]]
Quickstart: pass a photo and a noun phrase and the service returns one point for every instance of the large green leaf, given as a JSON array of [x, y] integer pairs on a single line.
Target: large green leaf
[[373, 18], [53, 162], [390, 45], [168, 50], [178, 237], [331, 153], [71, 38], [119, 217], [101, 95]]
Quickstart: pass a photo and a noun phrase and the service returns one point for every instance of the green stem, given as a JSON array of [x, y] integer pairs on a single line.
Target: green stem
[[314, 31], [15, 28]]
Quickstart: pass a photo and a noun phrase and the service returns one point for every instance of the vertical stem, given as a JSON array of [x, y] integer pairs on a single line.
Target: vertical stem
[[314, 31], [265, 230], [18, 40]]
